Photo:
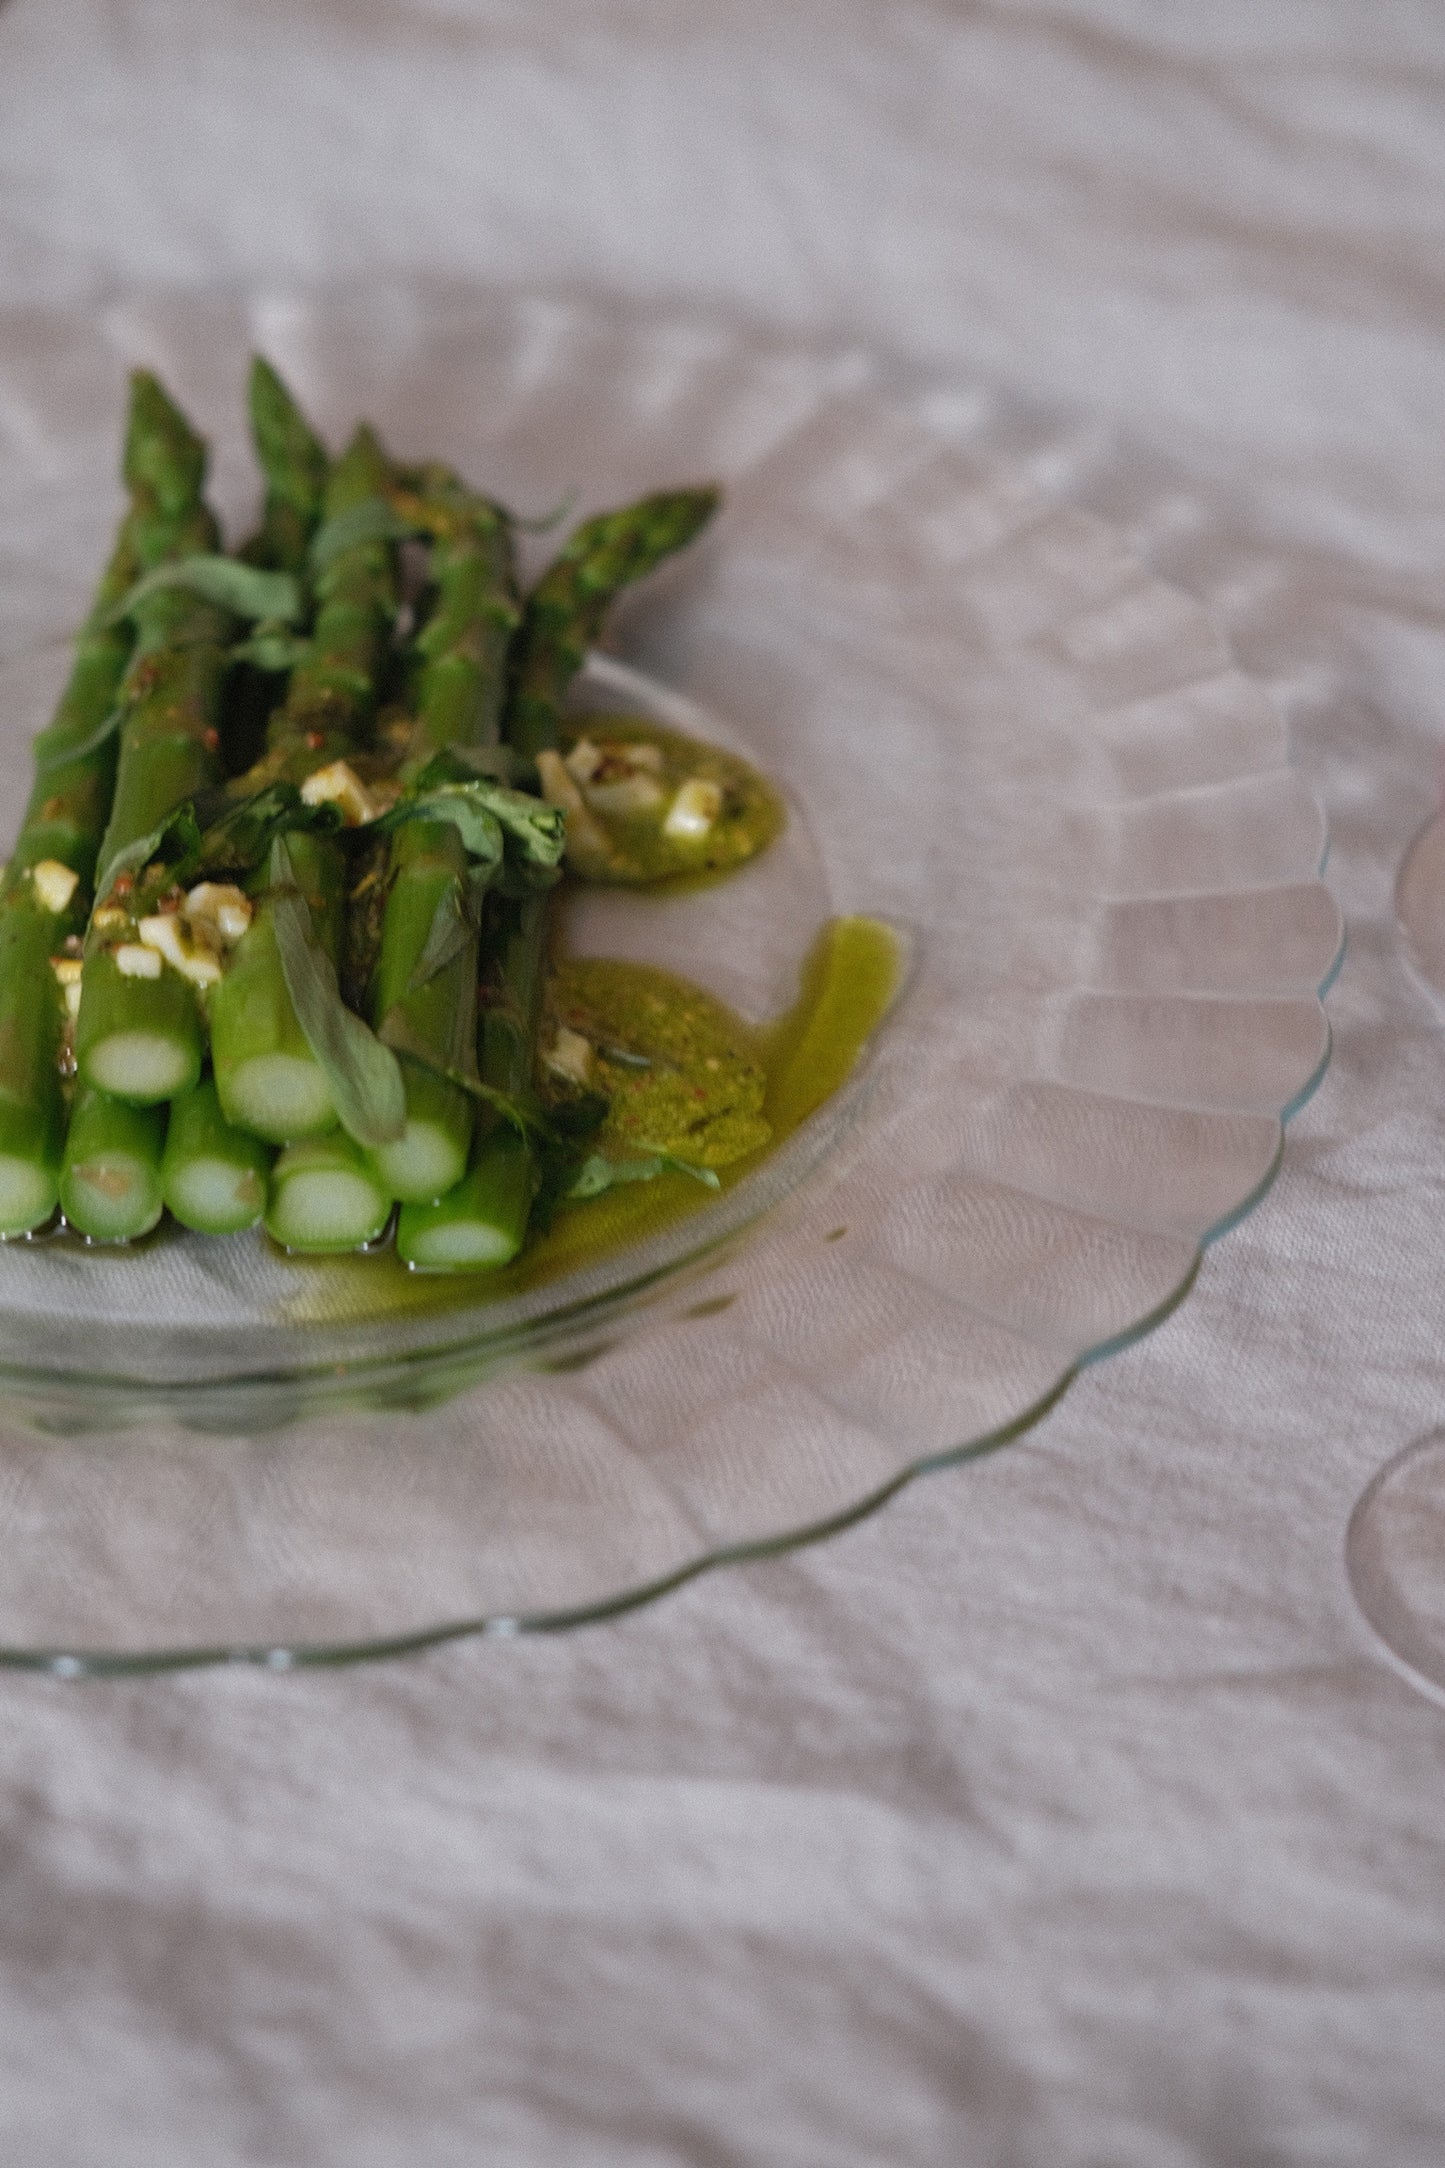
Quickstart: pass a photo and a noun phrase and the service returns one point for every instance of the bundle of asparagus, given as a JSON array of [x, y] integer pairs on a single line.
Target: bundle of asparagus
[[303, 979]]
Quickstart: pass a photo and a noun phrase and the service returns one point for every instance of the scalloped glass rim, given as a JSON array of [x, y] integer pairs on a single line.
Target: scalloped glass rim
[[1148, 830]]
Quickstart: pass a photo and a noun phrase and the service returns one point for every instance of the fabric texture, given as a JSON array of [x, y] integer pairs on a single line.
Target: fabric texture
[[1065, 1814]]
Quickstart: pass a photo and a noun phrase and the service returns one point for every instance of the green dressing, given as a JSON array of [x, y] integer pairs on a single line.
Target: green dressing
[[767, 1082], [631, 801]]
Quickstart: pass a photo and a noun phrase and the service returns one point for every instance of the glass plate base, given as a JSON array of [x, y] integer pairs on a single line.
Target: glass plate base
[[1395, 1558]]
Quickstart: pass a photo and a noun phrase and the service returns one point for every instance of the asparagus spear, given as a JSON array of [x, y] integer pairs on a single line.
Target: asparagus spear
[[567, 608], [268, 1078], [110, 1180], [43, 902], [45, 895], [426, 1009], [213, 1177], [138, 1034], [326, 1196], [32, 1114], [294, 463], [483, 1223]]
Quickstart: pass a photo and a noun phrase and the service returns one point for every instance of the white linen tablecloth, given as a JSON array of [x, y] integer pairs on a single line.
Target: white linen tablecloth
[[1064, 1815]]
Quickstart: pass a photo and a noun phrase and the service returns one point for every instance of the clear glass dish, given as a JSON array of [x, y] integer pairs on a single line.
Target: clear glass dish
[[997, 733], [1395, 1559], [1420, 905]]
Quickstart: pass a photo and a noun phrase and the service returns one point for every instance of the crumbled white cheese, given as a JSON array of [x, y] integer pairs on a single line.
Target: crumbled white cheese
[[55, 883], [134, 961], [570, 1056], [219, 912], [694, 809], [339, 784]]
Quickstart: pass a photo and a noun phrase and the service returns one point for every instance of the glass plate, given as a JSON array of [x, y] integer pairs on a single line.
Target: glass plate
[[998, 734], [1420, 904]]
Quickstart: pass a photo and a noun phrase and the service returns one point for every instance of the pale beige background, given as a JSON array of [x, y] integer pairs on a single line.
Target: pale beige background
[[1064, 1816]]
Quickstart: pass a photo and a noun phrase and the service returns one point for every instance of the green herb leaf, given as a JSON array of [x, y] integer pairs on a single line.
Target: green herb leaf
[[373, 520], [457, 1062], [598, 1173], [456, 921], [487, 813], [237, 839], [395, 1032], [179, 828], [245, 590], [673, 1165], [544, 522], [52, 749], [480, 831], [365, 1076], [460, 763], [275, 651]]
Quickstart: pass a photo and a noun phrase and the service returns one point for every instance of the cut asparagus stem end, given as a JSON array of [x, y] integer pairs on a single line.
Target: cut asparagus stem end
[[430, 1155], [143, 1067], [423, 1164], [325, 1197], [136, 1038], [215, 1196], [28, 1195], [213, 1177], [483, 1222], [110, 1183], [282, 1097]]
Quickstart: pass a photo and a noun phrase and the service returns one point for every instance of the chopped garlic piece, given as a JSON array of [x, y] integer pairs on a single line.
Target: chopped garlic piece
[[339, 784], [165, 935], [570, 1056], [55, 883], [587, 845], [694, 809], [219, 911], [133, 961], [617, 776], [636, 752], [201, 966], [635, 793], [584, 760], [196, 960], [67, 971]]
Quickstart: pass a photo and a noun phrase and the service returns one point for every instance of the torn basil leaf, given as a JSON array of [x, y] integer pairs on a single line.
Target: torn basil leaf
[[373, 520], [244, 590], [365, 1076]]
